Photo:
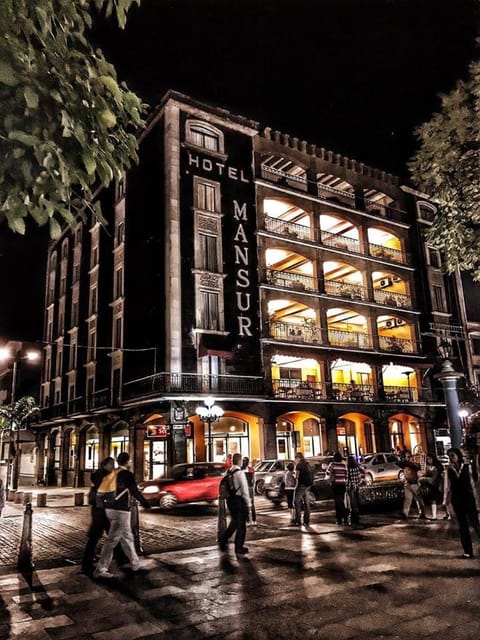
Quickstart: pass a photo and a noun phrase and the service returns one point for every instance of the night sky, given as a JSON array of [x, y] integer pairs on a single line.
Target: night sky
[[355, 76]]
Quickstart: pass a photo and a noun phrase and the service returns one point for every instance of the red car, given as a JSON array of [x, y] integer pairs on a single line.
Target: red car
[[194, 482]]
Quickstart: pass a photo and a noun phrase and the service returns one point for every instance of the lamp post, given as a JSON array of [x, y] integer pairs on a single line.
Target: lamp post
[[209, 413], [408, 374], [448, 377], [5, 355]]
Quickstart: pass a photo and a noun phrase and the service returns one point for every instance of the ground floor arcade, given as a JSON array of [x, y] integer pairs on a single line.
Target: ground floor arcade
[[66, 454]]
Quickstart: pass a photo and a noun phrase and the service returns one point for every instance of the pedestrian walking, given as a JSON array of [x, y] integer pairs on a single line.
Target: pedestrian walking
[[238, 506], [355, 476], [289, 485], [100, 523], [250, 475], [119, 518], [2, 496], [304, 474], [411, 488], [228, 461], [432, 484], [461, 478], [337, 472]]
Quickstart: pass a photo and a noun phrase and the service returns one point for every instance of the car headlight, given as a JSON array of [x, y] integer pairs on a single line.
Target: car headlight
[[152, 488], [268, 479]]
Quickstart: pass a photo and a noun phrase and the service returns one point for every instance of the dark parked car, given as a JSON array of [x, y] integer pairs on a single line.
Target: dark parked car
[[194, 482], [265, 470], [320, 490]]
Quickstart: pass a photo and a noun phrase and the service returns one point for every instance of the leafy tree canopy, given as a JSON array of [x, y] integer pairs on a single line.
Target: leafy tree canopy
[[447, 167], [13, 415], [67, 125]]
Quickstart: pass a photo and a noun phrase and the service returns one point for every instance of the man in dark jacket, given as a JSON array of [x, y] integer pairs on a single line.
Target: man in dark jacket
[[304, 475], [119, 518]]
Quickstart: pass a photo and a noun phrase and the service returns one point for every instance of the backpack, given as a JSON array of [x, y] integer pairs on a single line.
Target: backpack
[[227, 487], [106, 497]]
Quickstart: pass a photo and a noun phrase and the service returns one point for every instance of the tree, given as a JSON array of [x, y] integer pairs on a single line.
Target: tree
[[12, 417], [446, 167], [67, 125]]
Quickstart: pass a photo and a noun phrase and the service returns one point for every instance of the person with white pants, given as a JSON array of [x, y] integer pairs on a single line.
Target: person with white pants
[[119, 517]]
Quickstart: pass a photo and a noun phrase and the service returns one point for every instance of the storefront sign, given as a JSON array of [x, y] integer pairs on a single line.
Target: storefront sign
[[158, 430]]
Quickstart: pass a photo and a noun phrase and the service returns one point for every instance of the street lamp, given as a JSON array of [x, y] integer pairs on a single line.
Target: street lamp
[[209, 413], [464, 413], [448, 377], [5, 356]]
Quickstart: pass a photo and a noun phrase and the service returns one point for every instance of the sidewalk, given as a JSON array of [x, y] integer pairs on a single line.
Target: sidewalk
[[389, 579]]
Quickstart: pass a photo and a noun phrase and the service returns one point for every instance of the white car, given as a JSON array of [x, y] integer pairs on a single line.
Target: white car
[[381, 467]]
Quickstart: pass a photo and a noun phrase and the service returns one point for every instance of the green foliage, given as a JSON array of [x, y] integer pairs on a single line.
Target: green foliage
[[447, 168], [13, 415], [67, 125]]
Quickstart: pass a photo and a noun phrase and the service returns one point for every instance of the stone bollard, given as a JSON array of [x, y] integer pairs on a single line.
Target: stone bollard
[[24, 562], [222, 518], [27, 497], [41, 499], [18, 497], [78, 499], [11, 495], [135, 525]]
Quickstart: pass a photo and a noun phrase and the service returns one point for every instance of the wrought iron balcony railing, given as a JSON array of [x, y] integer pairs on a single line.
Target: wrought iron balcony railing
[[338, 241], [336, 195], [388, 253], [392, 344], [181, 383], [392, 299], [288, 229], [357, 339], [384, 211], [296, 281], [303, 333], [345, 289]]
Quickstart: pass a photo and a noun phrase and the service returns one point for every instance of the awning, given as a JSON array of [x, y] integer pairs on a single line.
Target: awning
[[214, 345]]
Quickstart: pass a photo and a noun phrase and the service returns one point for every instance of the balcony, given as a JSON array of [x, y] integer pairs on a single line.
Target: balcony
[[336, 195], [99, 399], [345, 289], [181, 383], [384, 211], [287, 229], [393, 344], [348, 339], [388, 253], [282, 177], [290, 280], [298, 390], [391, 299], [353, 392], [401, 394], [337, 241], [300, 333]]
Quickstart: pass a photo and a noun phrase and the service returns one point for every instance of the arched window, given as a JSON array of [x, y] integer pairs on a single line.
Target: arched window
[[204, 135]]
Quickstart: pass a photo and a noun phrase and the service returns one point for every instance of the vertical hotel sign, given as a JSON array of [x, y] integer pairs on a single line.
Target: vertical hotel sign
[[238, 235]]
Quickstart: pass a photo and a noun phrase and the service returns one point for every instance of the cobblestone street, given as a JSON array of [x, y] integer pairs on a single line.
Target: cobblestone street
[[388, 579]]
